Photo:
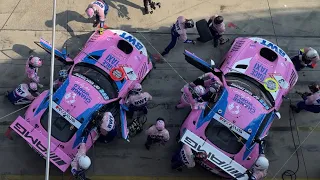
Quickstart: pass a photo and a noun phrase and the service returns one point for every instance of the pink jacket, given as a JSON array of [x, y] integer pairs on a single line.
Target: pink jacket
[[187, 156], [139, 100], [32, 73], [314, 99], [108, 123], [23, 91], [81, 152], [155, 134], [98, 7], [181, 30], [220, 28]]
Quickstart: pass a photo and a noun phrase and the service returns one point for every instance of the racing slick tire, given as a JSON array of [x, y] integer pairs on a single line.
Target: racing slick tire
[[203, 30]]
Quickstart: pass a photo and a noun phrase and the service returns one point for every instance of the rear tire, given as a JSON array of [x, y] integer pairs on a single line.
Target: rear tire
[[203, 30]]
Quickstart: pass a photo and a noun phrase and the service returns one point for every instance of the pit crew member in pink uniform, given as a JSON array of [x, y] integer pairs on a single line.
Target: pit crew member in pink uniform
[[32, 67], [100, 9], [24, 92], [260, 168], [157, 133], [311, 102], [81, 162], [191, 97], [107, 129], [307, 57], [185, 157], [137, 100], [179, 30]]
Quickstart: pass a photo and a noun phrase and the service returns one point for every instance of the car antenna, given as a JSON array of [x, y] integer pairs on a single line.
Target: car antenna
[[88, 54]]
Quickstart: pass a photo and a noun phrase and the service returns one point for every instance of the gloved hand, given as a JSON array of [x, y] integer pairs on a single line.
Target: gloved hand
[[101, 31], [74, 171], [40, 85], [194, 42]]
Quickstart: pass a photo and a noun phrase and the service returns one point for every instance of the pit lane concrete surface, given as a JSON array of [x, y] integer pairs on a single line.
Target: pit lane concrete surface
[[291, 24]]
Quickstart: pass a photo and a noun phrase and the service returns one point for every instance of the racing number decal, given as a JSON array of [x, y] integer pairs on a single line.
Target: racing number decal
[[271, 85], [117, 74]]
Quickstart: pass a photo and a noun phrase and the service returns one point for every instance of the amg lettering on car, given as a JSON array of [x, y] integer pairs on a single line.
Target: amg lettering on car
[[259, 71], [211, 156], [132, 40], [245, 103], [273, 47], [37, 143], [101, 91], [82, 93]]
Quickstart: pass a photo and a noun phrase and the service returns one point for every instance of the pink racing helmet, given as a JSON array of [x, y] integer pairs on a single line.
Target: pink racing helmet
[[90, 12], [35, 62], [33, 86], [160, 125]]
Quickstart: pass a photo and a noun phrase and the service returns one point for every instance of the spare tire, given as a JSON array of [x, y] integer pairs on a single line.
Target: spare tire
[[204, 31]]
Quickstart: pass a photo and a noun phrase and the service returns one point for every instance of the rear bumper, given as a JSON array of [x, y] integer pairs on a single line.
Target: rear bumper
[[39, 143]]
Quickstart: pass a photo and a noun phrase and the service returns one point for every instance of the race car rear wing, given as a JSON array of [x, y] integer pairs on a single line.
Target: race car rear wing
[[61, 56], [39, 143], [215, 156]]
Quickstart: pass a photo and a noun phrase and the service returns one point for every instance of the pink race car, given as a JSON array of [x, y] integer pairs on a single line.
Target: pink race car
[[256, 75], [100, 76]]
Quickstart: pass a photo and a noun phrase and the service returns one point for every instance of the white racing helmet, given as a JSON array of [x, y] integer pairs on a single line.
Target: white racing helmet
[[84, 162], [312, 55], [262, 163], [199, 90]]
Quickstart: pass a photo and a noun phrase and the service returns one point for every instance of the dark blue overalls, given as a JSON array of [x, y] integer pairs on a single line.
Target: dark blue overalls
[[174, 36], [311, 108]]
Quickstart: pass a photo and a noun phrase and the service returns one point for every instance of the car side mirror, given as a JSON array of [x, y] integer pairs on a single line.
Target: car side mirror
[[212, 63], [278, 115]]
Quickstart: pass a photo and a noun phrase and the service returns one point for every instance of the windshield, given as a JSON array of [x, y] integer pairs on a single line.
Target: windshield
[[97, 78], [252, 87], [224, 138], [61, 129]]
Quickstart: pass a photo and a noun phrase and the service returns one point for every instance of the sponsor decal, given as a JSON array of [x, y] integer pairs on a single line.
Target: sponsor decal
[[82, 93], [273, 47], [264, 104], [271, 85], [231, 126], [245, 103], [234, 108], [70, 97], [97, 87], [66, 115], [259, 71], [110, 62], [38, 144], [132, 40], [215, 156], [282, 83]]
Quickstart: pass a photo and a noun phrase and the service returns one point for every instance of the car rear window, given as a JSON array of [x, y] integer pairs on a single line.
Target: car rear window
[[224, 138], [60, 127]]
